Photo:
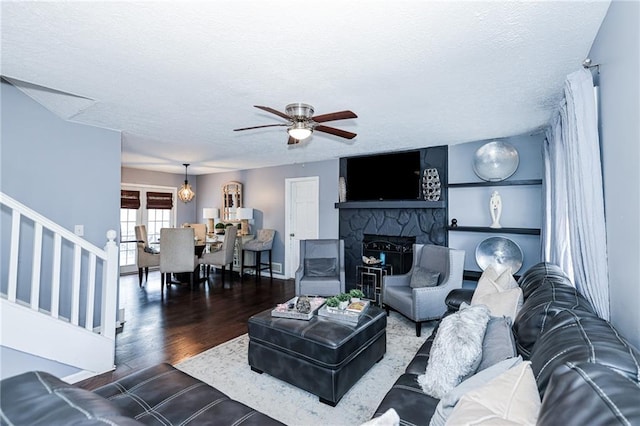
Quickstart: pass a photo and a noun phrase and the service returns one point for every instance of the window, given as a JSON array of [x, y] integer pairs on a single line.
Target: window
[[128, 220], [156, 220]]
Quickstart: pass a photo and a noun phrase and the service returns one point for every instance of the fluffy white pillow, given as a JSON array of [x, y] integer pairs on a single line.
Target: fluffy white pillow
[[456, 351], [506, 303], [511, 398]]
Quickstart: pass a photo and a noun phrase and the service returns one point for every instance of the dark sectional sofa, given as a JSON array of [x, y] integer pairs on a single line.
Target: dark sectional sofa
[[159, 395], [585, 371]]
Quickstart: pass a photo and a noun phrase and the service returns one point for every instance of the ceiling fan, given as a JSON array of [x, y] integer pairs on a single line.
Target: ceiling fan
[[301, 122]]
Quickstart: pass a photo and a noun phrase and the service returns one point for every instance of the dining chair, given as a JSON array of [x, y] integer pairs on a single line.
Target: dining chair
[[177, 254], [222, 256], [262, 242], [146, 257], [200, 230]]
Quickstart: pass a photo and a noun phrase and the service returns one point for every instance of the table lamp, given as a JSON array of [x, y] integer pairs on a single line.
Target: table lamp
[[244, 214], [210, 213]]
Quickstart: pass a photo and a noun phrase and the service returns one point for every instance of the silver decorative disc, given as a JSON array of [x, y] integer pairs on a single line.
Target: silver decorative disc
[[495, 161], [501, 253]]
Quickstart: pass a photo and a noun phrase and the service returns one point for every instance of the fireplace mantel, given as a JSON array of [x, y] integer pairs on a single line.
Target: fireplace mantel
[[400, 204]]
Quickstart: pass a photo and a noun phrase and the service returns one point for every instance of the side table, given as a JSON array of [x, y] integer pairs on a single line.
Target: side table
[[369, 280]]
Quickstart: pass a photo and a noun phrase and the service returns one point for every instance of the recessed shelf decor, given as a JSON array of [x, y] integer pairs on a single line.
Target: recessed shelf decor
[[400, 204]]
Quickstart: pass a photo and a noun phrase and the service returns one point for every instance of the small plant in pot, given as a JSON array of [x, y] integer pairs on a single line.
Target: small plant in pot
[[333, 302], [356, 295], [219, 228], [343, 298]]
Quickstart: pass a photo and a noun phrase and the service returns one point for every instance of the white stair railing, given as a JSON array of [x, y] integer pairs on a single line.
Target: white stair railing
[[65, 327]]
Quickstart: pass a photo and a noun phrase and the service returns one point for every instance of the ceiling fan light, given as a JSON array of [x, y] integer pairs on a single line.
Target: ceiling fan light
[[299, 131]]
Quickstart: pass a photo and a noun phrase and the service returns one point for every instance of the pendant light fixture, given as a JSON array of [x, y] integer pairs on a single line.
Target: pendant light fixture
[[185, 193]]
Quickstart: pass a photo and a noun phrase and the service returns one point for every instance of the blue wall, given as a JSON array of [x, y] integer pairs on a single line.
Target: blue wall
[[617, 50], [264, 191], [68, 172]]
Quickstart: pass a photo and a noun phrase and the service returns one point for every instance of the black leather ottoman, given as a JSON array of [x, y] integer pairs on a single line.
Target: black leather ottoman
[[321, 356]]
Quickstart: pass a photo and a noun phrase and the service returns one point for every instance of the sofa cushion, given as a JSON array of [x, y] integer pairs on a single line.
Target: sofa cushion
[[39, 398], [510, 398], [406, 397], [572, 337], [596, 394], [321, 267], [481, 378], [544, 303], [164, 395], [456, 351], [423, 277], [539, 274], [498, 343]]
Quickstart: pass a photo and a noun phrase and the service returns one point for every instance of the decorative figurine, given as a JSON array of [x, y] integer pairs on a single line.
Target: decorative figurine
[[495, 206]]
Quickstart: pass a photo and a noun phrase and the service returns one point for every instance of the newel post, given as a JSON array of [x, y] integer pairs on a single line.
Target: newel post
[[110, 288]]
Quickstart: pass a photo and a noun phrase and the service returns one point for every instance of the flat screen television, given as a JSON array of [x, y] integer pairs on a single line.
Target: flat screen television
[[394, 176]]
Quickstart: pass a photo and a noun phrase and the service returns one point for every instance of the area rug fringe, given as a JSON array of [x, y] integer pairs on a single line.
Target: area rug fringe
[[225, 367]]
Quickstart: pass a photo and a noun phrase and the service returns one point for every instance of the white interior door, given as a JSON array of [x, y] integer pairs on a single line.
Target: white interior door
[[302, 206]]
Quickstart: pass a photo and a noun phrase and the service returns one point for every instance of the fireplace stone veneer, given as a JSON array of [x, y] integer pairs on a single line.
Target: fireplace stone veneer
[[427, 225]]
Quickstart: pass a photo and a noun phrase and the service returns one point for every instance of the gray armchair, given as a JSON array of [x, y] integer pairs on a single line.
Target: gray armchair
[[420, 294], [145, 256], [224, 255], [321, 270], [177, 254]]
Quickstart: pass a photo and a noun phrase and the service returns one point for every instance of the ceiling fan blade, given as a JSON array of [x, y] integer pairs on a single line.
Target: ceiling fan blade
[[337, 132], [259, 127], [340, 115], [273, 111], [292, 141]]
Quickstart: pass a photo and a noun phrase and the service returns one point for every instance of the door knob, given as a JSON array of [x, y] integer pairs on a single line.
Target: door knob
[[292, 235]]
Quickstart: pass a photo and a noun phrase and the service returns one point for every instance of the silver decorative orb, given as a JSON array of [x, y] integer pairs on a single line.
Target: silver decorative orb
[[495, 161]]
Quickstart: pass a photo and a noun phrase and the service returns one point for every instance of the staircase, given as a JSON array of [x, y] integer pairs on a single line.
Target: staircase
[[58, 292]]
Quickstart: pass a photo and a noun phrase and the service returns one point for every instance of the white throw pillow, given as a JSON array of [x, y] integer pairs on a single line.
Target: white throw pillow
[[389, 418], [511, 398], [506, 303], [491, 282], [446, 405], [456, 351]]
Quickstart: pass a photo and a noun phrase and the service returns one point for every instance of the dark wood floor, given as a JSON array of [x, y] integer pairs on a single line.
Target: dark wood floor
[[182, 323]]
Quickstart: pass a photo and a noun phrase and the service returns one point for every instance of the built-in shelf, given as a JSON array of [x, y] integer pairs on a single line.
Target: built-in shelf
[[400, 204], [499, 183], [525, 231]]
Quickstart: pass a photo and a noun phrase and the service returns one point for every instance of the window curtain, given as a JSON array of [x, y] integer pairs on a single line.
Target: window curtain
[[129, 199], [574, 234], [159, 200]]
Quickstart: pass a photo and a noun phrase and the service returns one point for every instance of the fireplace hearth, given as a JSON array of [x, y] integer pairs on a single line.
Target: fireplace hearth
[[396, 250]]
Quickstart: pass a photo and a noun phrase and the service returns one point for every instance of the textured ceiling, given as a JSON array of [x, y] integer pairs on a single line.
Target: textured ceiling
[[177, 77]]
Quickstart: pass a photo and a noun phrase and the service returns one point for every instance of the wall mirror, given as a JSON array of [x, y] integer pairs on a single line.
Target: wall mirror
[[231, 200]]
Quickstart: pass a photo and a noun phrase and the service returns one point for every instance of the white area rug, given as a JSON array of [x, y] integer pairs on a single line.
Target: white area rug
[[226, 368]]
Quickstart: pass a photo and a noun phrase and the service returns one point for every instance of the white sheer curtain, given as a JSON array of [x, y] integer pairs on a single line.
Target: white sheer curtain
[[574, 234]]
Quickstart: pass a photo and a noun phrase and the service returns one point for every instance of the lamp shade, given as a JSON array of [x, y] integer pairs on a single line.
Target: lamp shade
[[244, 213], [210, 213]]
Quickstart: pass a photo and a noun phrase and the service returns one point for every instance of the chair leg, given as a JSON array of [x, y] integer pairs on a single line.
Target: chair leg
[[242, 266], [140, 277], [258, 265], [146, 274], [191, 279], [270, 268], [223, 270], [418, 328], [161, 282], [231, 271]]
